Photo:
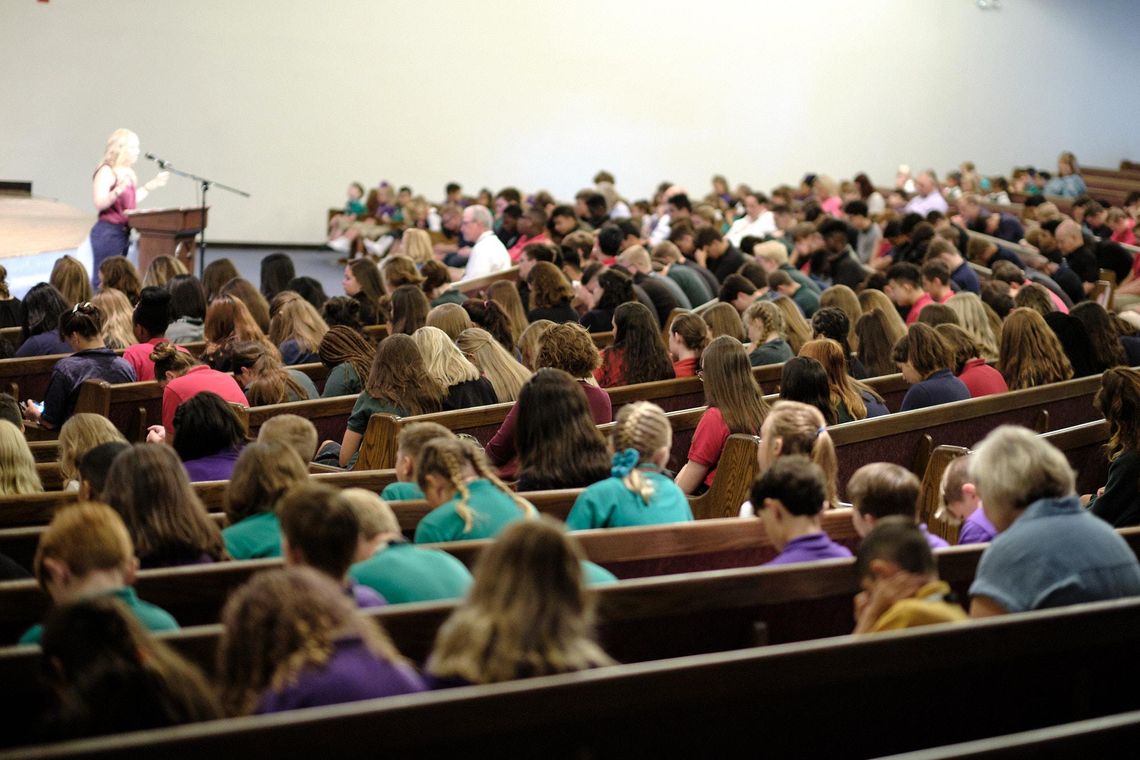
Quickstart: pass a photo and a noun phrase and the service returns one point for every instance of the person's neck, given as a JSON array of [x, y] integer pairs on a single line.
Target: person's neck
[[800, 526], [686, 353], [86, 344], [95, 583], [771, 337]]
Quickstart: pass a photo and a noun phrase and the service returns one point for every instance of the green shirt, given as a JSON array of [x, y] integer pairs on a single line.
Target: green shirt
[[609, 504], [691, 284], [153, 618], [596, 575], [807, 300], [404, 573], [255, 537], [342, 381], [448, 296], [494, 509], [401, 492], [365, 407], [800, 277]]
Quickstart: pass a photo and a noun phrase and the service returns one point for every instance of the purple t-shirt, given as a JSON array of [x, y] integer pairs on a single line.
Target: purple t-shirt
[[810, 548], [933, 541], [351, 674], [70, 372], [218, 466], [977, 529], [365, 596]]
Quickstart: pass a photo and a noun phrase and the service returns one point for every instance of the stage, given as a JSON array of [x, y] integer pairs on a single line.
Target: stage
[[31, 226]]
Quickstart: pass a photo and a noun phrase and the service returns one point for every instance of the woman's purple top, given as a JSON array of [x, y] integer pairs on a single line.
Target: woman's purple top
[[352, 673], [218, 466], [365, 596]]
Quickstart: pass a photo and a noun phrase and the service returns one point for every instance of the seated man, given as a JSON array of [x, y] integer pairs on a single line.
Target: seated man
[[868, 233], [961, 273], [960, 497], [409, 444], [1048, 552], [904, 286], [86, 552], [772, 255], [900, 581], [881, 489], [320, 529], [739, 291], [805, 298], [789, 498], [936, 281]]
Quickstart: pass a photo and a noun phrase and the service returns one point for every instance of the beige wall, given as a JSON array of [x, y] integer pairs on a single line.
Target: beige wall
[[293, 99]]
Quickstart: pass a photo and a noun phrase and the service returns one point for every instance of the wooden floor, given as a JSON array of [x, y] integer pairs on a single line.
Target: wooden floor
[[33, 225]]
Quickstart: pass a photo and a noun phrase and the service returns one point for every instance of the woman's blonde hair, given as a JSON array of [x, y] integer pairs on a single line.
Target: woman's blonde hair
[[116, 145], [1031, 354], [642, 427], [69, 277], [162, 270], [797, 331], [18, 474], [802, 430], [455, 461], [530, 342], [871, 299], [451, 318], [506, 375], [528, 613], [444, 362], [296, 318], [770, 317], [973, 319], [118, 318], [81, 433], [844, 388], [417, 246], [843, 298], [282, 622], [506, 295]]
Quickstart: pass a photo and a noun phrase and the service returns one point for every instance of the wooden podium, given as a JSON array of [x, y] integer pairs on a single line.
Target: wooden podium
[[168, 232]]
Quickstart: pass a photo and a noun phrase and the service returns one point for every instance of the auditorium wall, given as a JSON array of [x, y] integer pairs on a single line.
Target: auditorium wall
[[292, 99]]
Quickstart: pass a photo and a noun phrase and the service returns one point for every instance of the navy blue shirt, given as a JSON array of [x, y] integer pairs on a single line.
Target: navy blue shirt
[[44, 344], [940, 388], [70, 372], [966, 280]]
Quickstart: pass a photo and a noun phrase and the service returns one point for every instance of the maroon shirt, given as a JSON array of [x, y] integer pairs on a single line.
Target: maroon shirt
[[502, 450]]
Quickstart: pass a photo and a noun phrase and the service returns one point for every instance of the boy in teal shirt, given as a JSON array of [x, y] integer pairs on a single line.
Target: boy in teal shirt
[[408, 446]]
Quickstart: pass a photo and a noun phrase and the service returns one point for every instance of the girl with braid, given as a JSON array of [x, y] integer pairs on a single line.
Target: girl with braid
[[636, 493], [767, 332], [467, 498]]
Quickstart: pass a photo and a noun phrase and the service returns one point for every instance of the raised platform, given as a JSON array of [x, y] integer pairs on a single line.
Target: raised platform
[[33, 226]]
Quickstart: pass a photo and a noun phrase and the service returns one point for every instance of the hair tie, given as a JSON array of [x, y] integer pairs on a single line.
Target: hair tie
[[820, 431], [624, 462]]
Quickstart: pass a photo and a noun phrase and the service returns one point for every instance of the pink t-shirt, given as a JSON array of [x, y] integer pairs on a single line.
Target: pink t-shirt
[[708, 441], [923, 301], [981, 379], [198, 379], [138, 356]]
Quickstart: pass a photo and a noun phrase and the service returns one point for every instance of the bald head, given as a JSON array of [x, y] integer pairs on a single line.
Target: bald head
[[1069, 237]]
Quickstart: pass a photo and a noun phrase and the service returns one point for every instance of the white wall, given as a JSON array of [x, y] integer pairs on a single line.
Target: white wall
[[292, 99]]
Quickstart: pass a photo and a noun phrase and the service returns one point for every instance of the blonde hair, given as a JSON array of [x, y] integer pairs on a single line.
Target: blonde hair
[[417, 246], [86, 537], [844, 388], [161, 270], [451, 318], [723, 319], [116, 145], [18, 474], [452, 459], [527, 614], [643, 427], [871, 299], [769, 317], [506, 375], [296, 318], [373, 513], [81, 433], [69, 277], [294, 431], [443, 360], [972, 318], [531, 340], [802, 429], [506, 295], [118, 318], [797, 331]]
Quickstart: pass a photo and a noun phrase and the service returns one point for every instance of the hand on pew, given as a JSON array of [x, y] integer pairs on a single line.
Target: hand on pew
[[156, 434]]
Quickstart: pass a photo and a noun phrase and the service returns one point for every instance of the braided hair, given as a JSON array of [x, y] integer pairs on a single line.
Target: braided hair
[[641, 430], [452, 460]]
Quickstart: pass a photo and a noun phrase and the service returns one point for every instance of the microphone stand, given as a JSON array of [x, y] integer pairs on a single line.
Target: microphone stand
[[205, 185]]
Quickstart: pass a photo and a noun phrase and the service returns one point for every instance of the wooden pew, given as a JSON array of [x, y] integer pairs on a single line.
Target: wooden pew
[[329, 415], [27, 377], [1083, 445], [1053, 666], [44, 451], [477, 285], [131, 407], [13, 335]]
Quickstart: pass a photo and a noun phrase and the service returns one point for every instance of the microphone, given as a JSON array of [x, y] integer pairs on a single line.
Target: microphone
[[156, 159]]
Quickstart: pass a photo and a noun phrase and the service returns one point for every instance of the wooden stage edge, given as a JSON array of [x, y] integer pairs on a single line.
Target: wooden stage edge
[[33, 226]]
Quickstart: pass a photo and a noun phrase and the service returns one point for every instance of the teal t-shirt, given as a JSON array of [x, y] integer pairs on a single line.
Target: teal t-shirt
[[255, 537], [448, 296], [596, 575], [494, 509], [153, 618], [342, 381], [404, 573], [401, 492], [609, 504]]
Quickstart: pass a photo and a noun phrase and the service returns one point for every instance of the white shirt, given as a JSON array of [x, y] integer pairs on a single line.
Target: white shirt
[[924, 204], [765, 224], [488, 256]]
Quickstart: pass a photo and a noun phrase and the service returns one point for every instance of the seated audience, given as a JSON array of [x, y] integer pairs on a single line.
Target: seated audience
[[904, 286], [979, 321], [362, 282], [409, 444], [94, 466], [604, 292], [502, 370], [229, 322], [276, 270], [1118, 502], [739, 292], [161, 270], [69, 278], [506, 295], [296, 328], [688, 336], [117, 332], [181, 378], [901, 588], [795, 429], [528, 613], [804, 380], [443, 362], [1048, 552], [294, 431], [638, 355], [1031, 355], [796, 328], [765, 323], [789, 497], [86, 552], [348, 356], [18, 475], [833, 322], [265, 379], [92, 360], [880, 489], [960, 497], [187, 310], [637, 492], [394, 568], [263, 475], [1103, 335], [876, 343], [167, 521], [805, 298], [531, 338], [1074, 342], [214, 277], [320, 530], [467, 498], [290, 640], [924, 359], [451, 318], [979, 378], [723, 319], [150, 319], [852, 399], [550, 294], [735, 405], [208, 437], [407, 309], [493, 318], [343, 311], [79, 435], [243, 290], [558, 442], [118, 273]]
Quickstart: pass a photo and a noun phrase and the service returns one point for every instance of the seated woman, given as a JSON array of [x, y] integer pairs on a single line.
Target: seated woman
[[81, 327], [291, 639], [550, 294], [603, 293], [735, 405], [451, 318], [506, 294], [724, 319], [348, 355], [1103, 335], [492, 317], [1030, 353], [853, 400], [362, 282], [118, 330], [832, 322], [446, 365], [276, 271], [79, 435], [265, 379], [264, 473], [688, 336], [637, 492], [925, 360], [399, 270], [468, 500], [979, 378], [118, 273], [437, 284], [229, 322], [804, 380], [208, 437], [168, 523], [296, 328], [397, 383], [638, 355], [407, 310], [181, 378], [162, 269], [344, 311], [18, 475], [1118, 502], [43, 307], [187, 309], [528, 613], [501, 369], [244, 291], [877, 343], [765, 323], [559, 445], [69, 277], [793, 428]]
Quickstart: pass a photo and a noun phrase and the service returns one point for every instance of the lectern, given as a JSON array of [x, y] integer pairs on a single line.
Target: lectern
[[168, 232]]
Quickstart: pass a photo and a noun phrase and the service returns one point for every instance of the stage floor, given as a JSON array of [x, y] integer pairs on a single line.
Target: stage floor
[[29, 226]]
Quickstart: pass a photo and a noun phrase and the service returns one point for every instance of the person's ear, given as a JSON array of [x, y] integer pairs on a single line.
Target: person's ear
[[84, 490], [131, 571], [55, 572], [969, 489], [169, 375], [882, 568], [661, 456], [777, 446]]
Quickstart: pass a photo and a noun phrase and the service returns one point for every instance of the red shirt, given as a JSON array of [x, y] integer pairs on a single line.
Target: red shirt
[[515, 251], [197, 379], [923, 301], [612, 371], [138, 356], [685, 367], [708, 441], [981, 379]]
